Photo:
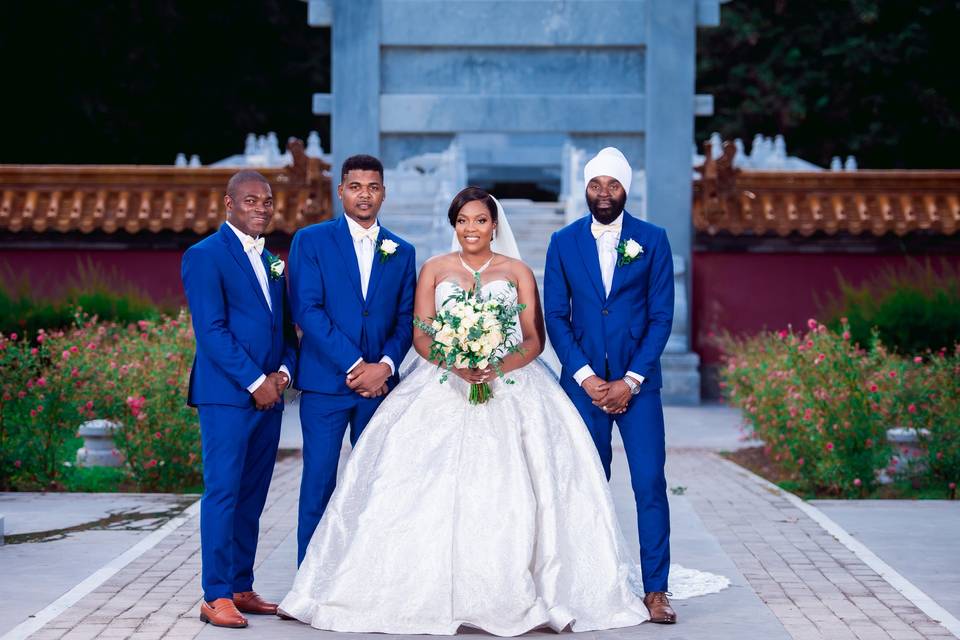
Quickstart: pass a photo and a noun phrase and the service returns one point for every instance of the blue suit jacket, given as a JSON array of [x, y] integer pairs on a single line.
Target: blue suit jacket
[[238, 336], [625, 331], [338, 325]]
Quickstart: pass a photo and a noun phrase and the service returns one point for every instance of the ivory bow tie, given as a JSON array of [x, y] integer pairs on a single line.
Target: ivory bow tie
[[360, 234], [250, 243], [598, 229]]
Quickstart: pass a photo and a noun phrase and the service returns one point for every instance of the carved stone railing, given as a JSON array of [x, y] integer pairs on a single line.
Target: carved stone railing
[[731, 200], [147, 198]]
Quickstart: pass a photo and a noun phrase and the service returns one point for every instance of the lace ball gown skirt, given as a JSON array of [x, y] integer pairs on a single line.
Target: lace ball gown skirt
[[495, 516]]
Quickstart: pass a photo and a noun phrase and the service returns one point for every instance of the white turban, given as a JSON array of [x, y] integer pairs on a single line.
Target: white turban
[[609, 162]]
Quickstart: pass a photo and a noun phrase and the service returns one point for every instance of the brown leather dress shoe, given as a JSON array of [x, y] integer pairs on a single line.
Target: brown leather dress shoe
[[251, 602], [222, 613], [659, 607]]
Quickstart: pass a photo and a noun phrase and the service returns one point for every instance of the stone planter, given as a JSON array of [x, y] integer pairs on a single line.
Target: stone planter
[[908, 452], [98, 449]]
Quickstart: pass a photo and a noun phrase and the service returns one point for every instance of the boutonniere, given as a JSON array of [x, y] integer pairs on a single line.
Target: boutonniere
[[628, 250], [276, 266], [386, 249]]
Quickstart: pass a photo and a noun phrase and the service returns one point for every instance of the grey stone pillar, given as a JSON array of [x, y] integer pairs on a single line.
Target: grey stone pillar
[[355, 82], [670, 102]]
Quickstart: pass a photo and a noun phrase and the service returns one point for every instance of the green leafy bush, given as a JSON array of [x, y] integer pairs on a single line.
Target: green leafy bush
[[912, 310], [92, 291], [822, 405]]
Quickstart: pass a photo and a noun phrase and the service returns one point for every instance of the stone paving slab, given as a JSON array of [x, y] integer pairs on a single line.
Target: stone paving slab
[[816, 586], [27, 512], [902, 533]]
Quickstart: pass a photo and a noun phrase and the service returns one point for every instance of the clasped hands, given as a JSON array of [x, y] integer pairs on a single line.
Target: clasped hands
[[369, 379], [475, 376], [268, 394], [613, 397]]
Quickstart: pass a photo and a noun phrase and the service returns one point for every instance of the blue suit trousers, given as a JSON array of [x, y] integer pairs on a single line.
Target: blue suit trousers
[[239, 452], [641, 428], [324, 418]]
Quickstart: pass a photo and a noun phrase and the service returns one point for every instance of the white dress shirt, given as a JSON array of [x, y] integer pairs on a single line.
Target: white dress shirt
[[261, 272], [607, 252], [364, 248]]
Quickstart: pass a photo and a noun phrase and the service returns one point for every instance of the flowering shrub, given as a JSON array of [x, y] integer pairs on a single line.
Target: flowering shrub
[[822, 405], [134, 375], [932, 406]]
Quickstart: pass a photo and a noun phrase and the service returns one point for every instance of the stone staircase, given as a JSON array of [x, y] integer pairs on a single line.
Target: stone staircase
[[533, 223]]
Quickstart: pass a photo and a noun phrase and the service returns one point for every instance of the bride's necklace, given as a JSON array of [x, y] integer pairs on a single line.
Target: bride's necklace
[[471, 269]]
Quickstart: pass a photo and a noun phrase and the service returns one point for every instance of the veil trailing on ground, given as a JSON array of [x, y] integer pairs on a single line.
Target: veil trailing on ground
[[505, 243]]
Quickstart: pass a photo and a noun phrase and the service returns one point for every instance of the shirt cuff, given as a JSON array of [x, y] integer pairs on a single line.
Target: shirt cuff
[[583, 373], [256, 383], [283, 369], [387, 360], [354, 365], [636, 376]]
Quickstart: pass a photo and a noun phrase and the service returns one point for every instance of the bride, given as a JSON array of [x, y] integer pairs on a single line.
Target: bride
[[494, 516]]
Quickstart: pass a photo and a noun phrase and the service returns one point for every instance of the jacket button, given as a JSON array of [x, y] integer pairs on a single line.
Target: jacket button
[[365, 312], [605, 312]]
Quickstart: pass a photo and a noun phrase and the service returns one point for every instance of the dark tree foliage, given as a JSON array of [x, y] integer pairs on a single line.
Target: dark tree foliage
[[137, 81], [872, 78]]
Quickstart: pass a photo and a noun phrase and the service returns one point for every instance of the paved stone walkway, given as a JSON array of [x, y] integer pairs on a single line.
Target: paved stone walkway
[[812, 583], [791, 578]]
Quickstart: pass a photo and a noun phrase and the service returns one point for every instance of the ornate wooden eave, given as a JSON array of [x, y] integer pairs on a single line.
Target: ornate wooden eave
[[763, 203], [145, 198]]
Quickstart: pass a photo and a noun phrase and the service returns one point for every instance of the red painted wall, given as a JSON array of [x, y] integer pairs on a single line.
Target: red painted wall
[[155, 272], [746, 292]]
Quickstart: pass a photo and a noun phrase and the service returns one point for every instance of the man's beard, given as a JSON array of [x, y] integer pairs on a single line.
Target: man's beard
[[606, 216]]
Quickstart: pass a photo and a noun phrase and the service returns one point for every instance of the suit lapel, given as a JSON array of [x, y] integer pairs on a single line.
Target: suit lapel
[[236, 250], [628, 231], [376, 270], [345, 244], [591, 259]]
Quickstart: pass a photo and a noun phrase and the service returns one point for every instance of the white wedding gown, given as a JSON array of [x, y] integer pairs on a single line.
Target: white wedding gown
[[496, 516]]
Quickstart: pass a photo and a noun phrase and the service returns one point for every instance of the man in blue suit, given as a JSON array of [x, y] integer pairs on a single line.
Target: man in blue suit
[[352, 284], [246, 349], [608, 305]]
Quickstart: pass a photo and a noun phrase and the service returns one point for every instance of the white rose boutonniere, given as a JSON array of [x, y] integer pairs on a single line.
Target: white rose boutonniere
[[386, 249], [628, 250], [276, 266]]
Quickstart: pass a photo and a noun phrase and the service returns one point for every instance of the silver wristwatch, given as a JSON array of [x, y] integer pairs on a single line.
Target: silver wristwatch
[[633, 384]]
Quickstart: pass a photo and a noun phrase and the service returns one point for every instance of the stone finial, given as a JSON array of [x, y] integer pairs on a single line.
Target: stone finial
[[98, 449]]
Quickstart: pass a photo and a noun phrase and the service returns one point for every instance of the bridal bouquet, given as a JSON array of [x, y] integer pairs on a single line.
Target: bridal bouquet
[[473, 331]]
